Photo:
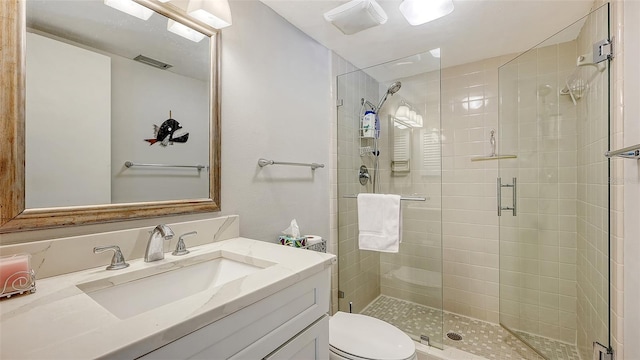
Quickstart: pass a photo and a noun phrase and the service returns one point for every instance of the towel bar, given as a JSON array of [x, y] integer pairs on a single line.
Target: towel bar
[[407, 198], [131, 164], [265, 162]]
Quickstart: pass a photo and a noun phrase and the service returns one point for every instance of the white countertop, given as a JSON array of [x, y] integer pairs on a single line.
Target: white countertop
[[60, 321]]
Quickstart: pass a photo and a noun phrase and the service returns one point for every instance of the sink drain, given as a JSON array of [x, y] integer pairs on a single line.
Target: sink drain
[[454, 336]]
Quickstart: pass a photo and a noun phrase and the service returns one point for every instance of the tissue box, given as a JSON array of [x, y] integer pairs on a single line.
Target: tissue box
[[291, 241]]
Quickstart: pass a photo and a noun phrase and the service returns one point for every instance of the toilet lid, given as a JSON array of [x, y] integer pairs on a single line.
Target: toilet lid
[[370, 338]]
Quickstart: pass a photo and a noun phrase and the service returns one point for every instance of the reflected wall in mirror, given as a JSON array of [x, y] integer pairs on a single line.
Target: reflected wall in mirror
[[103, 88]]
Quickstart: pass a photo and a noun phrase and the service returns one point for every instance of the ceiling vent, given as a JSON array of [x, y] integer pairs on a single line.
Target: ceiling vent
[[356, 15], [152, 62]]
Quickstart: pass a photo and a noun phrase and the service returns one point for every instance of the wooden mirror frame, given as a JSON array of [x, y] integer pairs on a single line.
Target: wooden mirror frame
[[13, 215]]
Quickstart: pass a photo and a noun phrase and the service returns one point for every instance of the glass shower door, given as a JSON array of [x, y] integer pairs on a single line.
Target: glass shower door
[[554, 245], [404, 288]]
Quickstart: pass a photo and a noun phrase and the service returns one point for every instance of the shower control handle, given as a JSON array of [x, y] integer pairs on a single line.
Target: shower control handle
[[363, 175], [514, 185]]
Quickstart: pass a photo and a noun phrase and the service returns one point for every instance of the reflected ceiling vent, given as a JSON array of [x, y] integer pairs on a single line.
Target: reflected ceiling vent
[[152, 62]]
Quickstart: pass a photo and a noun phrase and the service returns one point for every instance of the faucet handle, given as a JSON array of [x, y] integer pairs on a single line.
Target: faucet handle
[[117, 261], [181, 249]]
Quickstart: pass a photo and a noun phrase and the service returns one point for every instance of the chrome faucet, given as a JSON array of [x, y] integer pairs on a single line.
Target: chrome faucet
[[155, 246]]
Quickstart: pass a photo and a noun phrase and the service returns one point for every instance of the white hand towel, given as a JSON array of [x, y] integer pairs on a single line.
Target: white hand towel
[[379, 222]]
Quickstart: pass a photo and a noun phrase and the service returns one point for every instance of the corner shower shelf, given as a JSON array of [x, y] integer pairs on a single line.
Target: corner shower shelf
[[493, 155]]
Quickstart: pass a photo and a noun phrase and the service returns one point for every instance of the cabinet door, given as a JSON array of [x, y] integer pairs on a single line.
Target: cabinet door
[[311, 343]]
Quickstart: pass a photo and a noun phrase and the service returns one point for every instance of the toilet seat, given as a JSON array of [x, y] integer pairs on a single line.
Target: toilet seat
[[360, 337]]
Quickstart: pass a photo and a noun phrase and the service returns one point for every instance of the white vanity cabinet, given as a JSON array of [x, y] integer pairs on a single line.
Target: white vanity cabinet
[[290, 324]]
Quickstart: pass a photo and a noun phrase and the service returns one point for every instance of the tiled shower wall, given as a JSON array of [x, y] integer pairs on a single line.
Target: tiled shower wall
[[470, 224]]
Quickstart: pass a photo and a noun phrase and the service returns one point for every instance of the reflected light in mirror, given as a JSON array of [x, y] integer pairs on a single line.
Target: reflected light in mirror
[[212, 12], [184, 31], [400, 125], [412, 116], [131, 8], [403, 112], [408, 116], [418, 12]]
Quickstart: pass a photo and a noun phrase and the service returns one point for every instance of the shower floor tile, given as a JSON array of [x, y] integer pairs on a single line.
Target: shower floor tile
[[478, 337]]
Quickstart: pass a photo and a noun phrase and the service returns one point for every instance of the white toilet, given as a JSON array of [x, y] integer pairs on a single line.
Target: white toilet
[[360, 337]]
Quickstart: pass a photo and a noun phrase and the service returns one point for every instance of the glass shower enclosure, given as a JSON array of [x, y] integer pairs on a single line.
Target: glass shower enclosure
[[554, 226], [398, 155]]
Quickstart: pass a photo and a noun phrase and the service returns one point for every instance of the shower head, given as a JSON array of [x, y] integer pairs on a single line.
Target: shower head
[[393, 88]]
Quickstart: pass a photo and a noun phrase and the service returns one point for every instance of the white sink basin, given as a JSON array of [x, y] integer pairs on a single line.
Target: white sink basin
[[142, 290]]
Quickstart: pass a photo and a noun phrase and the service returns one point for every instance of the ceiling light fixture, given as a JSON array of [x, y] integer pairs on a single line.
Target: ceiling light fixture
[[184, 31], [216, 13], [418, 12], [130, 7], [356, 15]]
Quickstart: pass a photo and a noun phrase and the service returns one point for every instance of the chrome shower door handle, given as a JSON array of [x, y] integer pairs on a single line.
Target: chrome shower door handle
[[499, 190], [515, 188]]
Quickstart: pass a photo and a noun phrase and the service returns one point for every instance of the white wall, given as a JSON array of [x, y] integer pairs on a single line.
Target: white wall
[[143, 96], [276, 103], [68, 113], [631, 54]]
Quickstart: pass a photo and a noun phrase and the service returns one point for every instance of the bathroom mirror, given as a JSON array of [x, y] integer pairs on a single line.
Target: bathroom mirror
[[96, 136]]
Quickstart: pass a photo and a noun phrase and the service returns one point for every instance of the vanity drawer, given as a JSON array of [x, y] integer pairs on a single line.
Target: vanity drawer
[[310, 344], [257, 330]]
